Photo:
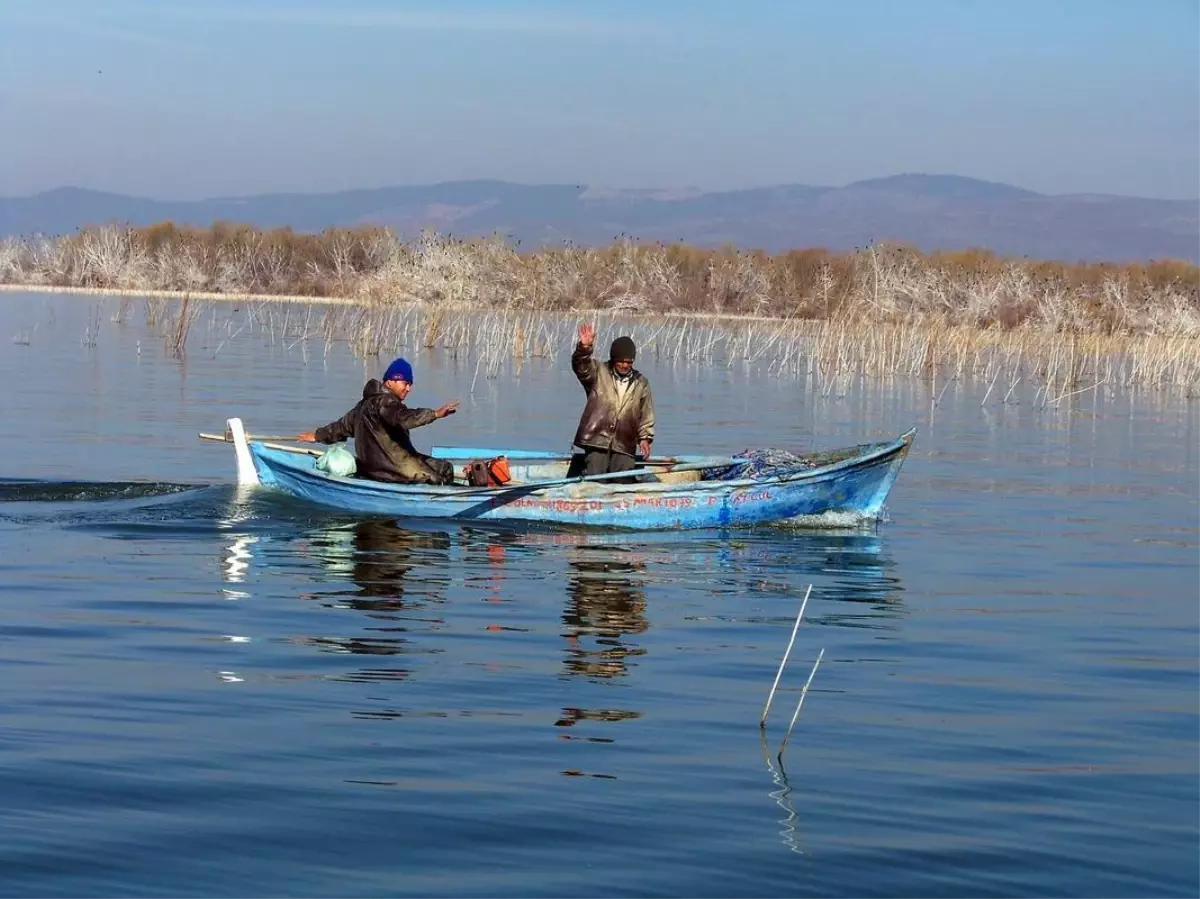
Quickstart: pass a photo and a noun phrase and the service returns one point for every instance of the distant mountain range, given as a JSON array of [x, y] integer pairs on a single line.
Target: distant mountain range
[[931, 212]]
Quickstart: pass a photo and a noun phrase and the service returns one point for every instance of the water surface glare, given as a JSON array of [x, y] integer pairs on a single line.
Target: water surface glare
[[208, 693]]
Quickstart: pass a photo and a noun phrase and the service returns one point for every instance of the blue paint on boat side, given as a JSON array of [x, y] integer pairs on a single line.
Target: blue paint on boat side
[[852, 489]]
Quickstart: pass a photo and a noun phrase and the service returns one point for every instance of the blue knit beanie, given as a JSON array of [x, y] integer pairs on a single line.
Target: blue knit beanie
[[399, 370]]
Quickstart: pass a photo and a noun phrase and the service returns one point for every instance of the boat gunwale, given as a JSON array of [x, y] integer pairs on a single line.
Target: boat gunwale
[[873, 453]]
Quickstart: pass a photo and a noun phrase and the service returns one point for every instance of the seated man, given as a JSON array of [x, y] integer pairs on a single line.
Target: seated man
[[380, 423], [618, 418]]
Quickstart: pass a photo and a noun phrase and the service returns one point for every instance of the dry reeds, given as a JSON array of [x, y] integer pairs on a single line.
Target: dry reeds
[[830, 318], [879, 284], [829, 357]]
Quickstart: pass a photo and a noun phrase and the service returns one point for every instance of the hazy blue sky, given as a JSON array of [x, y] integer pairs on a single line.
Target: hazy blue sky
[[207, 97]]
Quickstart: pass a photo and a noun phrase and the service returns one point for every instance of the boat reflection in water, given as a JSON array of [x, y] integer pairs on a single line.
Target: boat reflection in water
[[397, 577], [236, 564], [408, 584], [395, 570], [400, 579]]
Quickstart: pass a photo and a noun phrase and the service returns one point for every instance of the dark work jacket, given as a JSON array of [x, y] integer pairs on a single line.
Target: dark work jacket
[[611, 420], [383, 451]]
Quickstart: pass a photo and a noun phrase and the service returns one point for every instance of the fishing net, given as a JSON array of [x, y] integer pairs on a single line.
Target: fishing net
[[759, 463]]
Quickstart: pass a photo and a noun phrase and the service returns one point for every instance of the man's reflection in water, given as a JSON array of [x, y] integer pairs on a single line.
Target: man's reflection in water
[[385, 557], [605, 602], [398, 574]]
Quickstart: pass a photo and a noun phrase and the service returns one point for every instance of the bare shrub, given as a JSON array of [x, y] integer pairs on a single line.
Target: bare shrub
[[882, 284]]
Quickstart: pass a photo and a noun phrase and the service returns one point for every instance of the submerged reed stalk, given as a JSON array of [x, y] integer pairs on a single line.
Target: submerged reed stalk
[[762, 721], [796, 714]]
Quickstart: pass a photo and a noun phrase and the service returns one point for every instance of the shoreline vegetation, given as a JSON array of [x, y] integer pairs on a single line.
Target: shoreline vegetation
[[880, 310]]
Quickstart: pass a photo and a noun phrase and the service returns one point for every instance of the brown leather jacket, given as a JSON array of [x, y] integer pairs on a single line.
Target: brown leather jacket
[[379, 424], [611, 420]]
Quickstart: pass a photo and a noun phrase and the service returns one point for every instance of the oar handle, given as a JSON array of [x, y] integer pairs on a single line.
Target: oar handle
[[228, 438], [303, 450]]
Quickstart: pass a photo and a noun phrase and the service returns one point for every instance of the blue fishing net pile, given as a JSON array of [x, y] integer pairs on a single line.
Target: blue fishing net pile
[[758, 463]]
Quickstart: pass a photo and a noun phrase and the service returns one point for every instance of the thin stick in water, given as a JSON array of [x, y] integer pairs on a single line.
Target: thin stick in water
[[803, 693], [762, 722]]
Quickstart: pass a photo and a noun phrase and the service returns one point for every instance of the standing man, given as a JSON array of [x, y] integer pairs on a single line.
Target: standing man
[[618, 419], [380, 423]]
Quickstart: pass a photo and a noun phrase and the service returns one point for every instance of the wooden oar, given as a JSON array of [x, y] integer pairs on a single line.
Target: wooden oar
[[560, 482], [228, 438], [521, 457], [224, 438], [294, 449]]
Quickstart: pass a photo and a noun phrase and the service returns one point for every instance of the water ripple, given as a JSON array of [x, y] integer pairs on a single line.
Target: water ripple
[[218, 692]]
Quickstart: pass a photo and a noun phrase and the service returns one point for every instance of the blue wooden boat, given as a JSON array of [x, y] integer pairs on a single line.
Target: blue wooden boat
[[838, 488]]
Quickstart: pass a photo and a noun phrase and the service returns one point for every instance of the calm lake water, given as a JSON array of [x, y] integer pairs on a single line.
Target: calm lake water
[[207, 696]]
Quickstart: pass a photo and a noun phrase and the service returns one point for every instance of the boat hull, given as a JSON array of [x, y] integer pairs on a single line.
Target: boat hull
[[849, 491]]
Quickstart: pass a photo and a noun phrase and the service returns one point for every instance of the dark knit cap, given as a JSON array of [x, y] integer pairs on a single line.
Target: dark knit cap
[[399, 370], [623, 348]]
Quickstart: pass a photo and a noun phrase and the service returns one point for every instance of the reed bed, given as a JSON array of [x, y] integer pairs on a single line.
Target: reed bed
[[827, 357], [828, 318]]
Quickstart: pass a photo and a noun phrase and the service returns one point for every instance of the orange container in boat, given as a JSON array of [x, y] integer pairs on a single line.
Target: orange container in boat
[[498, 471]]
